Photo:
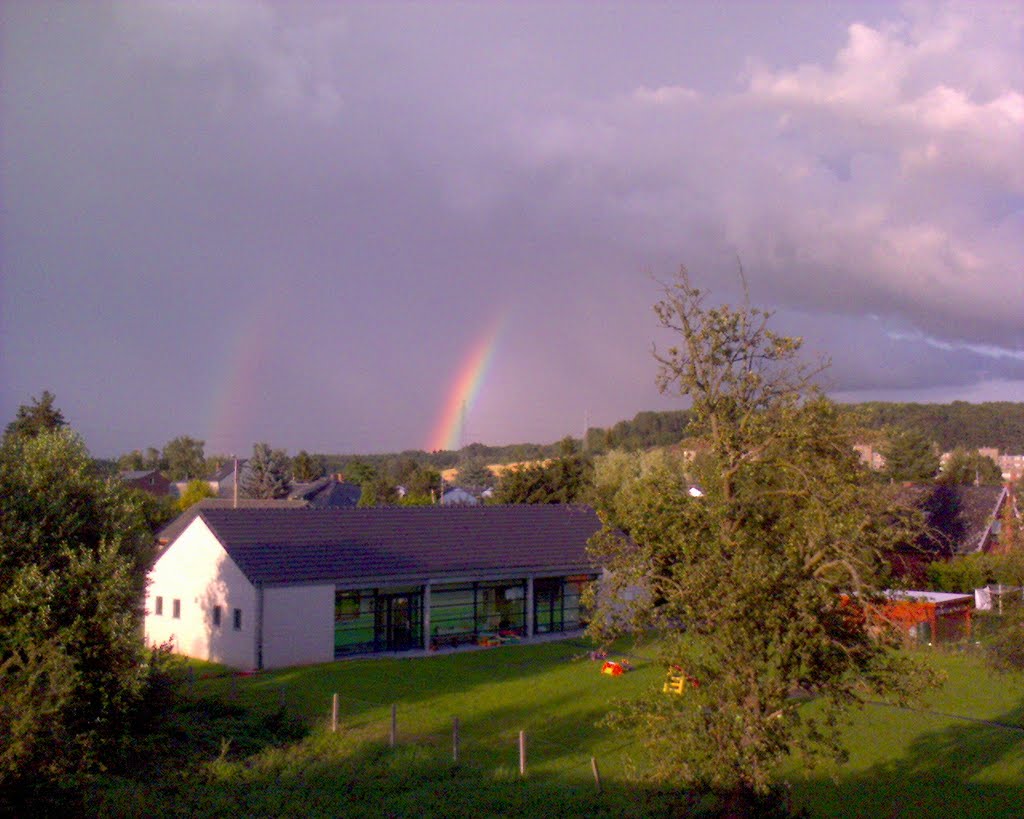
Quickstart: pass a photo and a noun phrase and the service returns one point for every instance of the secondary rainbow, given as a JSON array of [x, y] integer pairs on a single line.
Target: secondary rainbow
[[465, 389]]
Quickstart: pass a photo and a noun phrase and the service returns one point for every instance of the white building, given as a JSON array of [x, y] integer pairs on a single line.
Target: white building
[[266, 588]]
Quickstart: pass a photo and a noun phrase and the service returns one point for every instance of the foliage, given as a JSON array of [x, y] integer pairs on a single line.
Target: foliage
[[965, 573], [74, 550], [136, 460], [475, 473], [306, 467], [267, 473], [184, 458], [1005, 651], [39, 416], [561, 480], [962, 752], [194, 492], [765, 585], [419, 479], [379, 491], [156, 511], [964, 467], [909, 455], [1011, 527], [358, 471], [997, 424], [645, 430]]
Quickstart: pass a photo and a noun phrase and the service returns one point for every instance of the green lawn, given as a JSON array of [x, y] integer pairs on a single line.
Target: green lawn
[[903, 763], [943, 760]]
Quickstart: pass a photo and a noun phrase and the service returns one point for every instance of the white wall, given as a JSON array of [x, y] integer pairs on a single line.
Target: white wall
[[196, 570], [298, 625]]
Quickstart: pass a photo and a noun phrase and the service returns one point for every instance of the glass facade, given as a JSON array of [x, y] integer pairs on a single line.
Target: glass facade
[[460, 613], [377, 620], [556, 603], [391, 619]]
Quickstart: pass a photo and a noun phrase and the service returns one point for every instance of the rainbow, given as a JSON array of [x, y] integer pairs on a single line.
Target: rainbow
[[240, 394], [465, 389]]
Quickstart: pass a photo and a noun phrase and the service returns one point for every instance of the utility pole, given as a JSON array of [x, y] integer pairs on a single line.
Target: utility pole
[[234, 504]]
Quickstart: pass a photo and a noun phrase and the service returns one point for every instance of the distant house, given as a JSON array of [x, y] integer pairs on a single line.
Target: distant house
[[327, 493], [222, 481], [148, 480], [270, 587], [457, 496], [959, 520], [928, 616]]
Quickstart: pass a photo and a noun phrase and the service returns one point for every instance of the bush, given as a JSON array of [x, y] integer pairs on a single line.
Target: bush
[[74, 551]]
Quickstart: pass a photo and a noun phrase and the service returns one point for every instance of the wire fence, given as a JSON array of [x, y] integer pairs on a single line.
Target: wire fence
[[475, 741], [497, 739]]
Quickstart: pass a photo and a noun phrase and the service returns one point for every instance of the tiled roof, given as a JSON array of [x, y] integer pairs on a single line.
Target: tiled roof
[[313, 545], [327, 493], [180, 523], [136, 474], [958, 516]]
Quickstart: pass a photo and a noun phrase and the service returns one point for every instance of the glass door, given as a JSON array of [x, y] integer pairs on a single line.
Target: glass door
[[398, 624]]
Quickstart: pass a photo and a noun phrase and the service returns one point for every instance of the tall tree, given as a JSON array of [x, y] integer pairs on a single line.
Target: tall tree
[[968, 467], [475, 473], [561, 480], [131, 461], [909, 455], [765, 584], [74, 550], [306, 468], [267, 473], [379, 490], [39, 416], [184, 458]]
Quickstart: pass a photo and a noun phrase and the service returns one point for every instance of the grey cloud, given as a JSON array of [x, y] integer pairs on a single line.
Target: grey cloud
[[367, 186]]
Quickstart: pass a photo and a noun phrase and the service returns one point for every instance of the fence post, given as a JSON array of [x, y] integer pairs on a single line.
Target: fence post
[[597, 773], [280, 697], [191, 681], [334, 714], [522, 753], [394, 724], [455, 739]]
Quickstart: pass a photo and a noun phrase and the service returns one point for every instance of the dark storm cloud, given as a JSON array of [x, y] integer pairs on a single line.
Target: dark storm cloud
[[352, 194]]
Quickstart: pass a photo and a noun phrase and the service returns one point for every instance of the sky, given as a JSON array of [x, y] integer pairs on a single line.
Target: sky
[[331, 226]]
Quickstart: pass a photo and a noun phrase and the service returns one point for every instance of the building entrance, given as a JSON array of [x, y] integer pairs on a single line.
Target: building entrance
[[398, 625]]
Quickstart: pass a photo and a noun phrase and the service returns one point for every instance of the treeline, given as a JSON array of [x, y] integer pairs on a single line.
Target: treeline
[[997, 424]]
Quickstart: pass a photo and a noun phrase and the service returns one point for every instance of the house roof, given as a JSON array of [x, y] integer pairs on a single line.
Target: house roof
[[136, 474], [225, 469], [180, 524], [327, 493], [348, 545], [958, 516]]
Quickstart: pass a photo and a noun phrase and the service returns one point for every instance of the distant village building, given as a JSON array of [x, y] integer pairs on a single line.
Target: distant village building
[[1011, 466], [870, 456], [148, 480]]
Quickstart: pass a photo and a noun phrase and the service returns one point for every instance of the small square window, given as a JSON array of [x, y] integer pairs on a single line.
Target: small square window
[[158, 605], [176, 609], [238, 619], [216, 616]]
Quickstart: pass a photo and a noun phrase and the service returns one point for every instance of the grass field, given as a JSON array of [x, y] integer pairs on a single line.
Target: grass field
[[963, 754]]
